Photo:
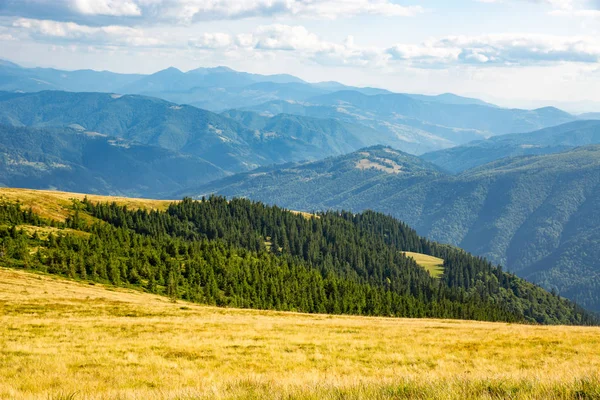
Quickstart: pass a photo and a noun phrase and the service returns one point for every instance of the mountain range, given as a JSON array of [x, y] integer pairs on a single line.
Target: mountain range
[[410, 122], [218, 139], [546, 141], [536, 214], [523, 200], [415, 125], [89, 162]]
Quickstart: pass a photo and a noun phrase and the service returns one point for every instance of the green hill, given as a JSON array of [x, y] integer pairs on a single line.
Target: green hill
[[536, 215], [78, 160], [222, 141], [488, 119], [545, 141], [243, 254]]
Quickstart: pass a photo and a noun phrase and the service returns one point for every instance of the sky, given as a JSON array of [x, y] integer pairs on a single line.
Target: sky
[[511, 52]]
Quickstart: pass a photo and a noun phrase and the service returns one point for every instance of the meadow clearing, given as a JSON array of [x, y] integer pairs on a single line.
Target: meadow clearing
[[62, 339], [433, 265]]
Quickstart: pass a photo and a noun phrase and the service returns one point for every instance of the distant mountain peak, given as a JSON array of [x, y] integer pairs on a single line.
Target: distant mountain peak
[[169, 70], [6, 63], [550, 109]]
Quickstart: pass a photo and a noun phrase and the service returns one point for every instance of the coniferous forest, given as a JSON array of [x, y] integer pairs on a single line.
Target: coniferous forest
[[245, 254]]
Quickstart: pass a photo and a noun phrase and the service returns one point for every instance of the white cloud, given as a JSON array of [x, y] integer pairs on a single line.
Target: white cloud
[[191, 10], [107, 7], [567, 8], [188, 11], [70, 31], [212, 41], [523, 49], [501, 50]]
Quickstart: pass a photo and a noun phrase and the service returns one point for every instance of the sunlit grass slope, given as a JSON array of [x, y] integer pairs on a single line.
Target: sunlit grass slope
[[57, 205], [60, 338], [433, 265]]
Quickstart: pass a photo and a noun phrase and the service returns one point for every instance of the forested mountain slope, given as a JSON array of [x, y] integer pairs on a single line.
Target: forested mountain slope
[[223, 141], [83, 161], [545, 141], [244, 254], [419, 124], [488, 119], [536, 215]]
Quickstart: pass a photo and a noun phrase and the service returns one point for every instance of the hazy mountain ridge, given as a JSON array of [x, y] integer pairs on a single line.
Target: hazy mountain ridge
[[545, 141], [83, 161], [223, 141], [489, 120], [410, 122], [215, 89]]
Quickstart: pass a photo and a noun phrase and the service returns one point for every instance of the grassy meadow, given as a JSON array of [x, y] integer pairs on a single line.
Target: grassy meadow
[[433, 265], [56, 205], [62, 339]]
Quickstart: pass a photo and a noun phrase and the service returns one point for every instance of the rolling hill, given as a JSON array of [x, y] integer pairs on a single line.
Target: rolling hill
[[545, 141], [79, 160], [222, 141], [243, 254], [14, 78], [490, 120], [536, 215], [408, 134], [413, 123], [419, 124]]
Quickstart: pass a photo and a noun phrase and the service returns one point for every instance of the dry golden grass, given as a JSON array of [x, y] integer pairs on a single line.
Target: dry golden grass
[[60, 338], [58, 205], [433, 265]]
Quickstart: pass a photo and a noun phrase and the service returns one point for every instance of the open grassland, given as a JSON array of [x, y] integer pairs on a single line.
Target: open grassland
[[61, 339], [433, 265], [58, 205]]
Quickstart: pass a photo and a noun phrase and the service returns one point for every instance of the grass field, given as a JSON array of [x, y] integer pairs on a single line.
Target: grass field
[[68, 340], [58, 205], [433, 265]]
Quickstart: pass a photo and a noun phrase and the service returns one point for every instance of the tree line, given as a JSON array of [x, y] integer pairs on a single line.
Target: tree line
[[239, 253]]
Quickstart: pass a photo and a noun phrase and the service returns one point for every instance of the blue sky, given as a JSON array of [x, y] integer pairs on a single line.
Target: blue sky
[[518, 52]]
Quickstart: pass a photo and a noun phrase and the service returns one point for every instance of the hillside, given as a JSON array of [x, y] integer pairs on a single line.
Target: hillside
[[217, 139], [545, 141], [535, 215], [79, 160], [408, 134], [418, 124], [58, 206], [244, 254], [487, 119], [76, 340], [355, 181]]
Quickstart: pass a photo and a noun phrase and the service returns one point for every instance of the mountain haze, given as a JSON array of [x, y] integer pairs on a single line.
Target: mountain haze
[[88, 162], [218, 139], [545, 141]]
